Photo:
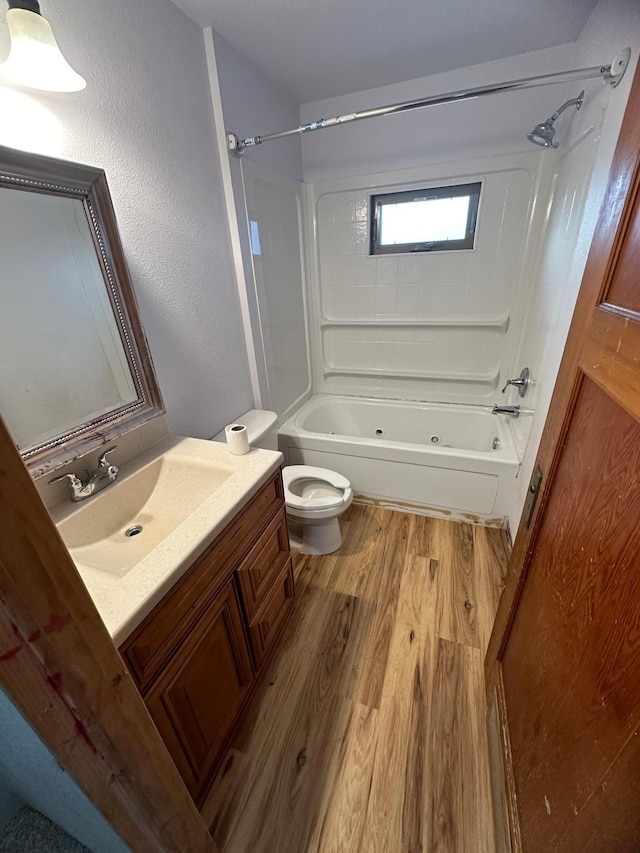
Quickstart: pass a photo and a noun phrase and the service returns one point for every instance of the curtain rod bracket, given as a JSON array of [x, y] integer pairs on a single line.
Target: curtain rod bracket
[[237, 146], [618, 67]]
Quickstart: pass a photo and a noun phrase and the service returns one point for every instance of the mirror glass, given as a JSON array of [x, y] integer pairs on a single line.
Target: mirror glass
[[62, 361], [75, 368]]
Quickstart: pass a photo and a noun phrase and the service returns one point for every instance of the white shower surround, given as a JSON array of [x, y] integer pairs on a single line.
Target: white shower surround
[[386, 449], [439, 326]]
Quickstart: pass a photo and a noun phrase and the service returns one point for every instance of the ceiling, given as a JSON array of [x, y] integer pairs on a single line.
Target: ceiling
[[315, 49]]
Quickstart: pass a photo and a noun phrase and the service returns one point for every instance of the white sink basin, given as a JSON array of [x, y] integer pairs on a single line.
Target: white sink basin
[[182, 494], [121, 525]]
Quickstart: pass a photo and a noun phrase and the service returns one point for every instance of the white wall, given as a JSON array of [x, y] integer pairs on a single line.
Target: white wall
[[436, 326], [31, 774], [146, 118], [582, 174]]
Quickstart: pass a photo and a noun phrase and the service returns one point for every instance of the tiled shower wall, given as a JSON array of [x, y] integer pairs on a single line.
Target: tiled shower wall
[[434, 326]]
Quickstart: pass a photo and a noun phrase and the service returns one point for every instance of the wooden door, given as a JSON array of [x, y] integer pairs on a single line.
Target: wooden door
[[566, 648], [196, 700]]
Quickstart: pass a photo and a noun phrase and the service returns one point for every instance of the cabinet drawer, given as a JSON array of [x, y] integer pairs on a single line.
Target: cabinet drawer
[[264, 628], [260, 569], [154, 640]]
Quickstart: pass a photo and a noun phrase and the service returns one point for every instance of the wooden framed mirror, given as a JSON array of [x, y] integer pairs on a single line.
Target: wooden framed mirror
[[75, 368]]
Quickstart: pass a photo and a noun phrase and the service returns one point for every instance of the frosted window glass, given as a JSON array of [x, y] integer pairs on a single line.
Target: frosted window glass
[[425, 221]]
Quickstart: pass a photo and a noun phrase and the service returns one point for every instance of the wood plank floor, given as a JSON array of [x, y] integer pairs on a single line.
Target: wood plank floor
[[368, 734]]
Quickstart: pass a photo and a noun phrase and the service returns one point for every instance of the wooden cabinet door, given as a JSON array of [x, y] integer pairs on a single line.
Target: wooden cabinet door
[[261, 568], [266, 624], [195, 702], [567, 638]]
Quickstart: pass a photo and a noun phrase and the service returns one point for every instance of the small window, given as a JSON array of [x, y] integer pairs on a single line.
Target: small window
[[436, 219]]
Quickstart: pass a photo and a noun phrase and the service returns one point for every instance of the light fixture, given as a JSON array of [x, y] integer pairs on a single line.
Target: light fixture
[[35, 60]]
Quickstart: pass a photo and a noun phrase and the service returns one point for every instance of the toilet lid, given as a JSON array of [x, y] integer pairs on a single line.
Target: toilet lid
[[308, 487]]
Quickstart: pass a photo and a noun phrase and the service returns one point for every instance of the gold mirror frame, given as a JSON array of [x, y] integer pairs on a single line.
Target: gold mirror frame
[[38, 174]]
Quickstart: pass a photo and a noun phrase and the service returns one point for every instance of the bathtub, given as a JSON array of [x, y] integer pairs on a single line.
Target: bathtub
[[446, 460]]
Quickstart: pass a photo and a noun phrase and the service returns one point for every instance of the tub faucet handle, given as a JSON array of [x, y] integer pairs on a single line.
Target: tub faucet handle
[[521, 383]]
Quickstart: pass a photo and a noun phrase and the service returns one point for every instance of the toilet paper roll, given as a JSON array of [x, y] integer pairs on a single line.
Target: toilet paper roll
[[237, 439]]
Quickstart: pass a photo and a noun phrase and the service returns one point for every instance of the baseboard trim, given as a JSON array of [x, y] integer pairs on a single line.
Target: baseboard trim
[[507, 764]]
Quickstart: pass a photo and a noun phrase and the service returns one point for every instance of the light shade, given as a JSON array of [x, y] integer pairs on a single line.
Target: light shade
[[35, 60]]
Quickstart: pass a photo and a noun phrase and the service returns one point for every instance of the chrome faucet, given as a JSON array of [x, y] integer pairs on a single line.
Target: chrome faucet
[[521, 383], [514, 411], [103, 476]]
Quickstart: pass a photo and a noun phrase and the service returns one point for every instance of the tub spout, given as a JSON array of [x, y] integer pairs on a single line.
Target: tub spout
[[514, 411]]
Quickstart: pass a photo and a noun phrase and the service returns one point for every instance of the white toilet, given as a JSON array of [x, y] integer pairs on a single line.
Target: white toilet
[[314, 497]]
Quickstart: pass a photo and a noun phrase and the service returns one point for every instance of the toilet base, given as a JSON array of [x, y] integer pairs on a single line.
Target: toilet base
[[318, 538]]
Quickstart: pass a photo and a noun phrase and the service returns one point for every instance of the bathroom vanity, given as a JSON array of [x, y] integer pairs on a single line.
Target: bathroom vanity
[[197, 598], [196, 656]]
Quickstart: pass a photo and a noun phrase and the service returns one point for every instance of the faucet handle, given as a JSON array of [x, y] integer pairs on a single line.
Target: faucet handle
[[73, 480], [102, 459], [521, 383]]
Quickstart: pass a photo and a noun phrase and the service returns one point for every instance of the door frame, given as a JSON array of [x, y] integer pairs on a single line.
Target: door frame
[[615, 213], [60, 668]]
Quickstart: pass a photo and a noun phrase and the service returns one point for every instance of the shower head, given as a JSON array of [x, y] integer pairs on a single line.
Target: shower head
[[542, 134]]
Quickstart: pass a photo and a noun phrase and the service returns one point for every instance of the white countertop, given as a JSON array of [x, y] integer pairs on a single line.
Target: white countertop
[[123, 600]]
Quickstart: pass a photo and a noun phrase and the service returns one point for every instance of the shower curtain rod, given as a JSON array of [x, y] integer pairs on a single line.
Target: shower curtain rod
[[611, 73]]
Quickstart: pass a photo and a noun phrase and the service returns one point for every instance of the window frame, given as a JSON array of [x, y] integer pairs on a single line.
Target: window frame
[[378, 200]]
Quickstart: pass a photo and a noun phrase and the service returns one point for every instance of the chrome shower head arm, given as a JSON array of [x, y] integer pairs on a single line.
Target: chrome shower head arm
[[574, 102]]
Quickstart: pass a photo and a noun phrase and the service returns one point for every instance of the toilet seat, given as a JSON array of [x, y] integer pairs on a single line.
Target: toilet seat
[[333, 489]]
